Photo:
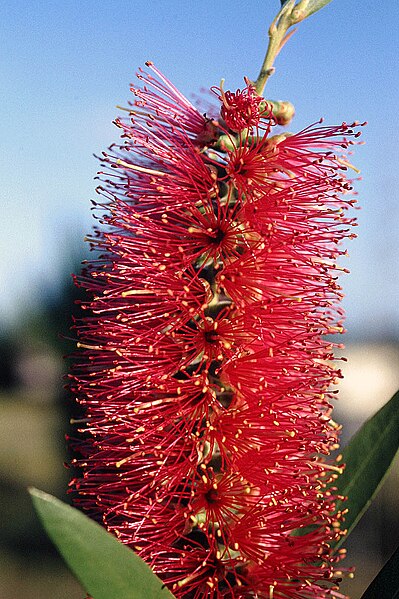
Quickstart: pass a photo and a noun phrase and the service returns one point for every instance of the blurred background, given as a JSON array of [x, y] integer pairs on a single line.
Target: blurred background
[[65, 66]]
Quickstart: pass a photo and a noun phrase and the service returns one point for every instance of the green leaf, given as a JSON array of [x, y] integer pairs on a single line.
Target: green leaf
[[368, 457], [308, 7], [106, 568], [315, 5], [386, 584]]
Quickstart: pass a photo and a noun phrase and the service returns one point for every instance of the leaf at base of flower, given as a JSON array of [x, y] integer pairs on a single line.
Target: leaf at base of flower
[[106, 568], [386, 584], [368, 456]]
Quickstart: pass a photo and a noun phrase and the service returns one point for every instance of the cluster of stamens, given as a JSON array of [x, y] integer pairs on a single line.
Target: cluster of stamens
[[204, 372]]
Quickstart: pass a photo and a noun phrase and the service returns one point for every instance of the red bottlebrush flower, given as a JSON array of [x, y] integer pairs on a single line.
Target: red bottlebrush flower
[[204, 369], [241, 109]]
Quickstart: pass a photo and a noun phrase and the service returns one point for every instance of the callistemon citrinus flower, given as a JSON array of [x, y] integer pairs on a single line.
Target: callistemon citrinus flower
[[204, 369]]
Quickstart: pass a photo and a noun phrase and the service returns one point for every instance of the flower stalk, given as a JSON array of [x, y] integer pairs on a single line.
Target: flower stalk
[[290, 14]]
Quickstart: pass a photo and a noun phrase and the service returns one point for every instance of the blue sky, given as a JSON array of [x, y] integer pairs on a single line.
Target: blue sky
[[66, 65]]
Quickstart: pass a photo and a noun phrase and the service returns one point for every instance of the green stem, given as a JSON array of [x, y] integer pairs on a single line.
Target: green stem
[[290, 14], [277, 31]]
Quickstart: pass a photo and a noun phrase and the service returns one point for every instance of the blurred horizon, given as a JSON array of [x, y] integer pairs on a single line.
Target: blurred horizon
[[35, 413]]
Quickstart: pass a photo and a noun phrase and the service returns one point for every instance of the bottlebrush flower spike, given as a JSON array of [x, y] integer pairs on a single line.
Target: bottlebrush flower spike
[[204, 369]]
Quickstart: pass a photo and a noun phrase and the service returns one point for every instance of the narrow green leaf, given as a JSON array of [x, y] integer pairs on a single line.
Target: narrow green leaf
[[315, 5], [368, 457], [386, 584], [106, 568]]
